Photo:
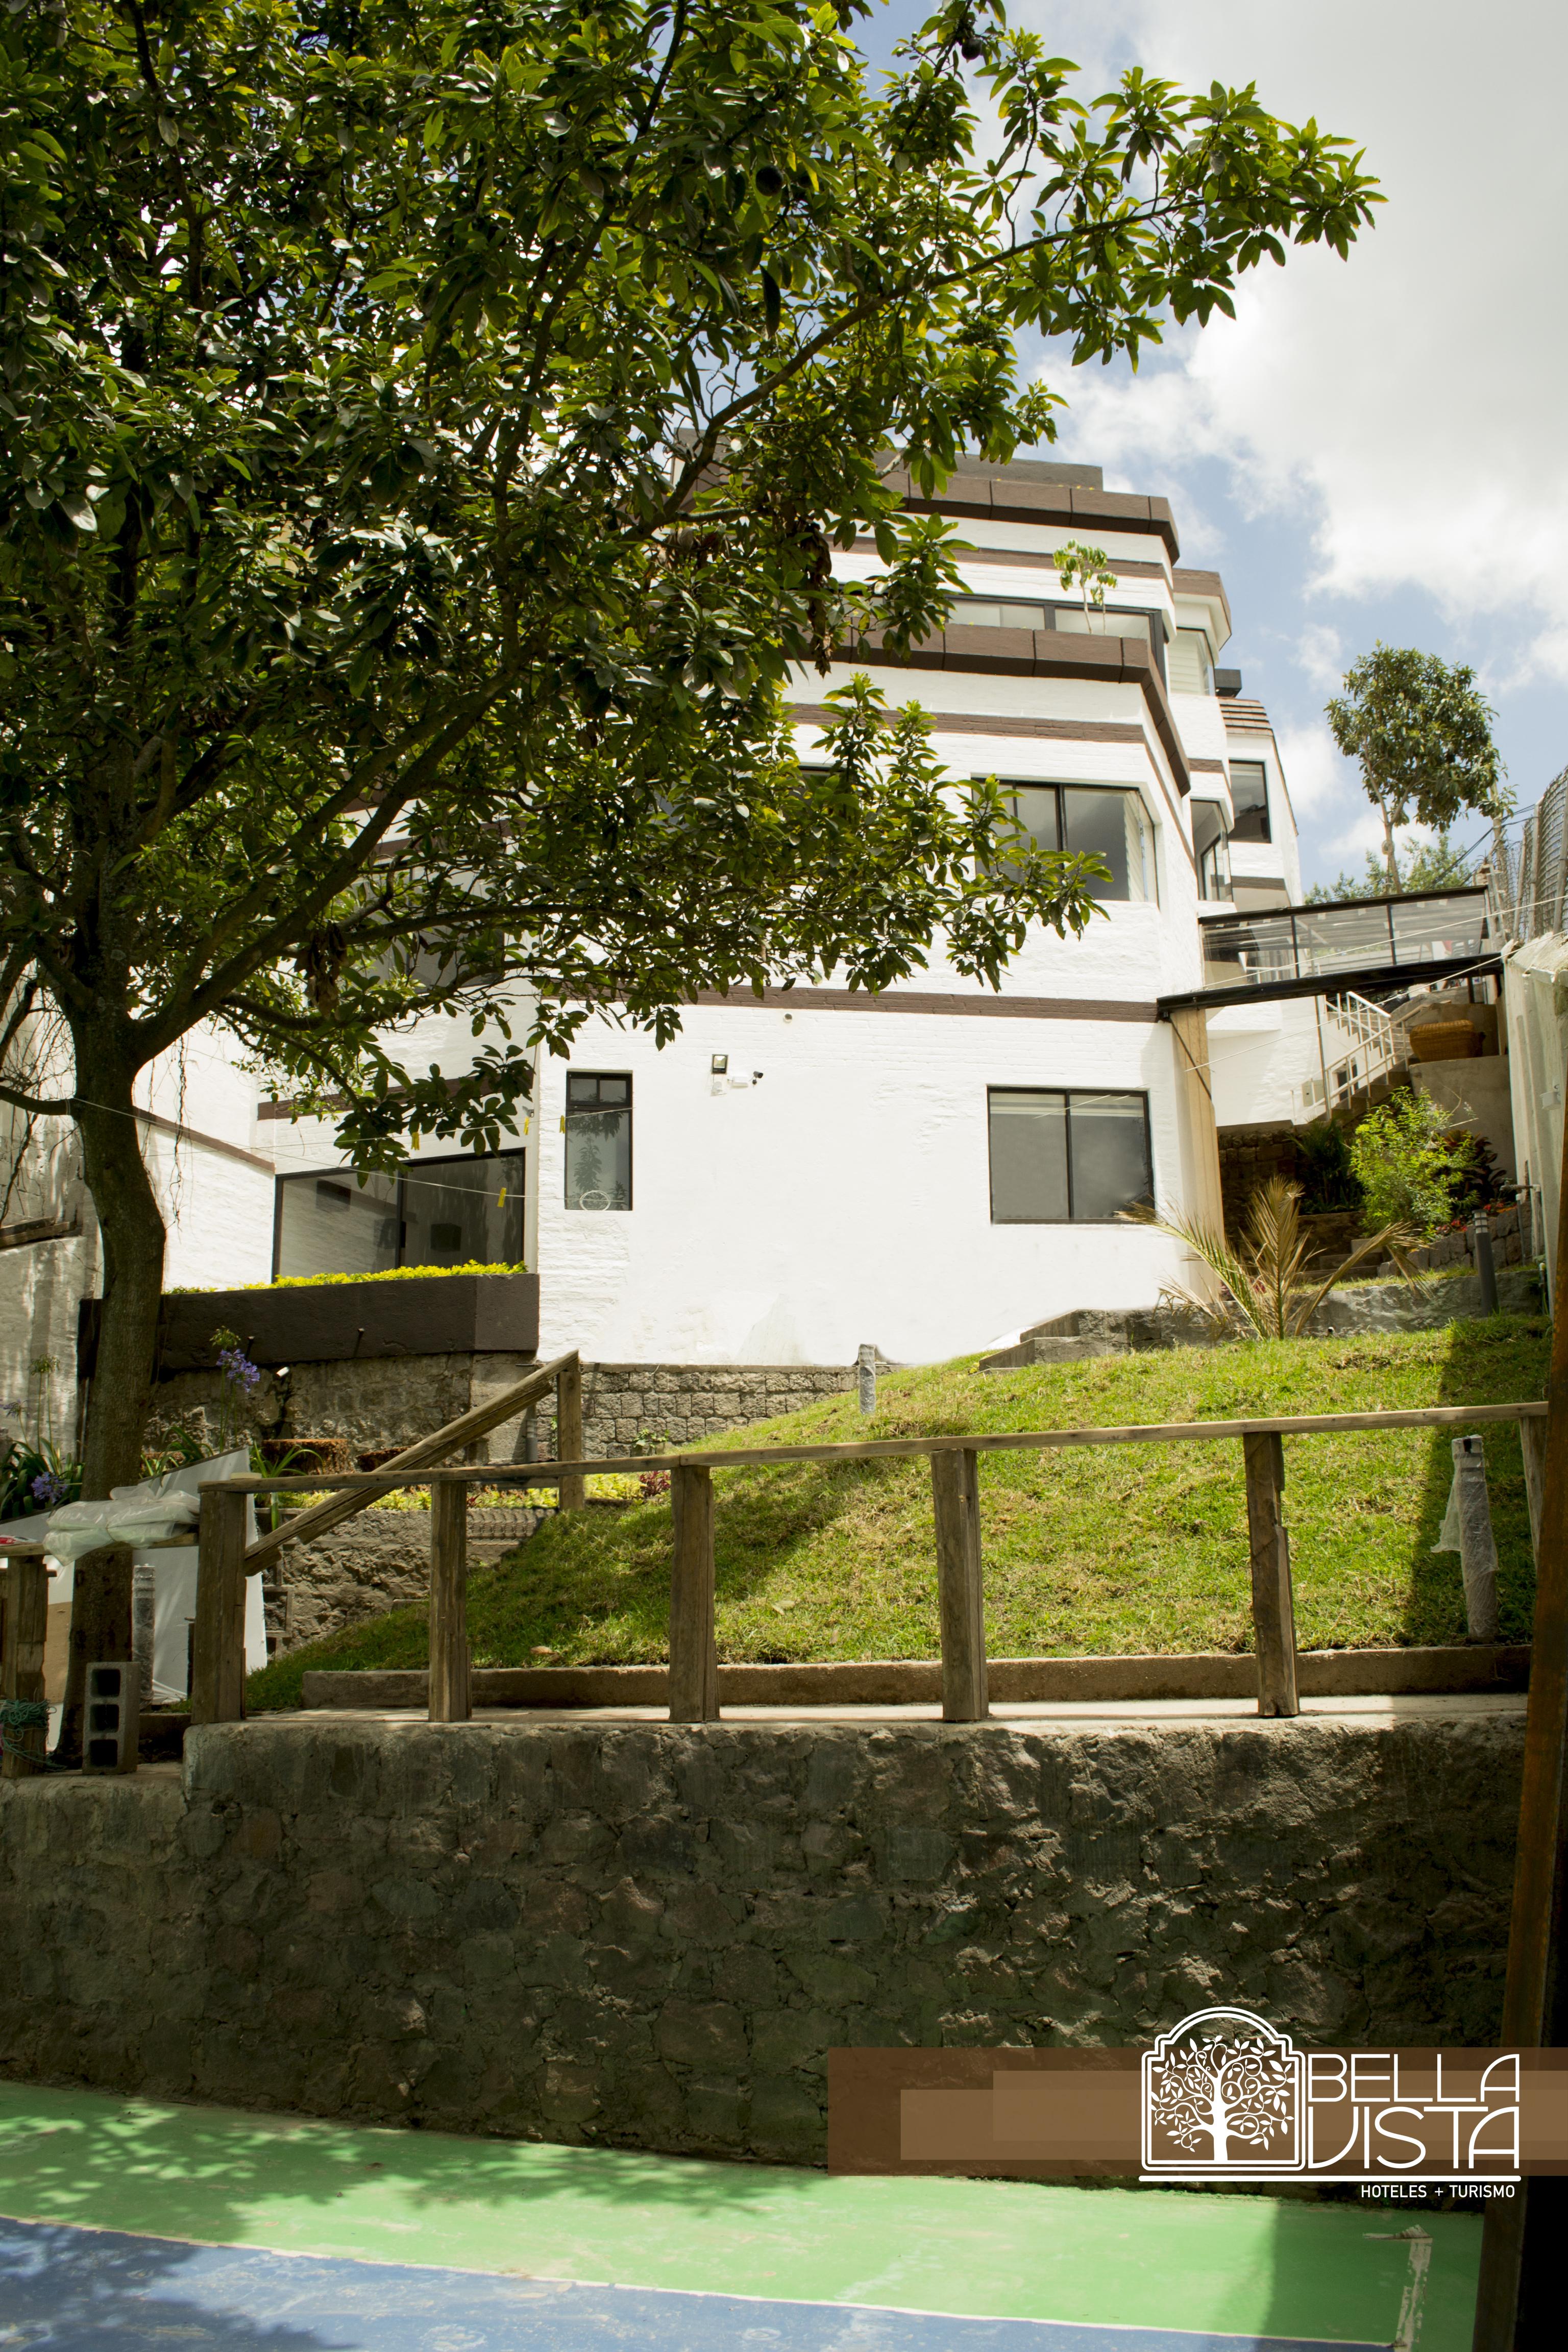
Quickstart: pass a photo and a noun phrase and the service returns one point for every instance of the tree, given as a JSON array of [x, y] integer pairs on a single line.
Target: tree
[[1091, 568], [427, 431], [1413, 1162], [1228, 2087], [1428, 866], [1422, 734]]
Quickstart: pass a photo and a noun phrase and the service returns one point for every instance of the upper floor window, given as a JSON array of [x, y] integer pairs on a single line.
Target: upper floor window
[[1066, 1158], [462, 1210], [1190, 670], [1249, 798], [1093, 819], [598, 1139], [1210, 851]]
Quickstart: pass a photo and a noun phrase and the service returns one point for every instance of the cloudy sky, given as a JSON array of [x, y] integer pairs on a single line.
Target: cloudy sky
[[1373, 448]]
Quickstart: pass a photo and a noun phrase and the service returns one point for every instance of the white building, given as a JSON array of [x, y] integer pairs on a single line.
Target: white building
[[930, 1169]]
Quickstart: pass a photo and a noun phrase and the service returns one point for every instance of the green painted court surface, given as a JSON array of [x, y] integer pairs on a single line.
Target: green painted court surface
[[1133, 2258]]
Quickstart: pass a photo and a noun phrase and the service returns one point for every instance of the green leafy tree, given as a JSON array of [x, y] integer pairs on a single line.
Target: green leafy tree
[[1411, 1162], [1426, 865], [1422, 734], [428, 429]]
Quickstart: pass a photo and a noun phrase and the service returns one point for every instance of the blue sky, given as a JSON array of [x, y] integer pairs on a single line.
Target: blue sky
[[1374, 448]]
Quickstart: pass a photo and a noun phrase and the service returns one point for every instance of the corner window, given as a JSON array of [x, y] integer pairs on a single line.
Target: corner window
[[1249, 798], [1066, 1158], [460, 1211], [598, 1141], [1191, 671], [1092, 819], [1210, 851]]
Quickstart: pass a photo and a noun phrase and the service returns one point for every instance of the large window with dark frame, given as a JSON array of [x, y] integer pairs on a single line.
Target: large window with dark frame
[[1066, 1157], [598, 1139], [1249, 799], [465, 1210], [1210, 849], [1095, 819]]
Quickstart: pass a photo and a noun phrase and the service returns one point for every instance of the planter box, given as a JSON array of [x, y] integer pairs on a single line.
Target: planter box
[[439, 1314]]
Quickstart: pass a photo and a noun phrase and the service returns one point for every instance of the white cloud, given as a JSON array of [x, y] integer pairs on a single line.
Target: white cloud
[[1409, 400], [1320, 782]]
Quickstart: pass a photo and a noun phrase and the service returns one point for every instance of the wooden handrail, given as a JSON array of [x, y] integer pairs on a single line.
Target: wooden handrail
[[1170, 1432], [954, 1460], [351, 1494]]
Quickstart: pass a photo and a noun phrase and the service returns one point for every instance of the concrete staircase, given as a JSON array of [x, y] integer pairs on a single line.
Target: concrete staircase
[[1099, 1331]]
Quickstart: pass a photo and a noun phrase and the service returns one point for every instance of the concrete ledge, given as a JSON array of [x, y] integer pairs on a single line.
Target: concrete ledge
[[910, 1682]]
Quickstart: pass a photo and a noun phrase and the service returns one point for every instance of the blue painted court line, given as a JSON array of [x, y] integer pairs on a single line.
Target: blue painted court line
[[64, 2289]]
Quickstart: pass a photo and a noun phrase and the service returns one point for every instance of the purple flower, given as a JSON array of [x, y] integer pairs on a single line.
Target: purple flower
[[48, 1490], [238, 1370]]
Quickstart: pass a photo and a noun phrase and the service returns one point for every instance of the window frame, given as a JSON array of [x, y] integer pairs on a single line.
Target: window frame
[[625, 1077], [1262, 808], [1084, 1094], [445, 1159], [1014, 785]]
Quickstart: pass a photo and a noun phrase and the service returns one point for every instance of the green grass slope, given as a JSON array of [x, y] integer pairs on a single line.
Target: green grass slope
[[1097, 1550]]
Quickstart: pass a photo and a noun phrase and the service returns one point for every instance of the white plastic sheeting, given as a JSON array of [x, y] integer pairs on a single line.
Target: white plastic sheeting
[[1535, 997], [159, 1507]]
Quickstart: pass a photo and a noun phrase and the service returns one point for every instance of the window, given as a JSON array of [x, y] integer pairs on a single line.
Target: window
[[1100, 623], [1066, 1158], [1190, 669], [1210, 850], [598, 1141], [448, 1211], [1092, 819], [1249, 798]]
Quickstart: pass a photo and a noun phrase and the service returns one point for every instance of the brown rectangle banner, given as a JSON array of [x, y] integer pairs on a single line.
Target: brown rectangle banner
[[1224, 2096]]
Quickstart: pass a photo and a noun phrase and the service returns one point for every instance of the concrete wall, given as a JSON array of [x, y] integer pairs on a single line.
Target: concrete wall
[[651, 1935]]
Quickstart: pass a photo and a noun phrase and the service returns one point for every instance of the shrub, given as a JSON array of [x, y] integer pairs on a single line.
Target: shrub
[[1411, 1162], [1329, 1182]]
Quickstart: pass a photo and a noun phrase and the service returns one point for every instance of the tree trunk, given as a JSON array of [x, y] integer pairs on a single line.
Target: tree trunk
[[1389, 852], [131, 1225]]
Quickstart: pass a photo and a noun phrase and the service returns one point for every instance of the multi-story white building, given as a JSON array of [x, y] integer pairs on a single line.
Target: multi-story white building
[[928, 1170]]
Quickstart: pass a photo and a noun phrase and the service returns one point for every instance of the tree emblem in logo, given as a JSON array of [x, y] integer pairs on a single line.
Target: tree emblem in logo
[[1222, 2091]]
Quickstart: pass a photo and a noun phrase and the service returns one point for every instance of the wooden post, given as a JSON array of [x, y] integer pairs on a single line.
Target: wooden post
[[1518, 2295], [693, 1643], [1273, 1607], [217, 1682], [574, 1492], [26, 1585], [1533, 1446], [960, 1599], [450, 1684]]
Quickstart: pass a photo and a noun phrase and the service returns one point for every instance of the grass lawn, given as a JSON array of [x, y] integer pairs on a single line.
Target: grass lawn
[[1087, 1552]]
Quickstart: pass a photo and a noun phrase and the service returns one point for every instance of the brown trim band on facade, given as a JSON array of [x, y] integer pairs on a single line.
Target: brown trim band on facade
[[1188, 583], [982, 1007], [207, 1142], [1059, 730], [1009, 499], [1208, 767], [1133, 566], [1042, 653]]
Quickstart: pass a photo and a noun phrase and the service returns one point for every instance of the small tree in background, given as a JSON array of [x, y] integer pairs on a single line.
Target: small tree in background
[[1428, 866], [1422, 734], [1411, 1160]]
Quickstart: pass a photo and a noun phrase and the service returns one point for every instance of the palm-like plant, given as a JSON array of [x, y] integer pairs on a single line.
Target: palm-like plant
[[1263, 1282]]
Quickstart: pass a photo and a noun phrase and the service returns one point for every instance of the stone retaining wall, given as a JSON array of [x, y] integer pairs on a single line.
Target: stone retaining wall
[[389, 1403], [650, 1936]]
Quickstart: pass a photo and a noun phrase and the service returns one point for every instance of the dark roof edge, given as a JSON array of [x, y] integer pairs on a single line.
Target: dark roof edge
[[1001, 497]]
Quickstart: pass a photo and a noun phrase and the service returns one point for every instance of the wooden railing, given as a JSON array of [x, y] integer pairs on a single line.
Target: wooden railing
[[693, 1648], [217, 1666]]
